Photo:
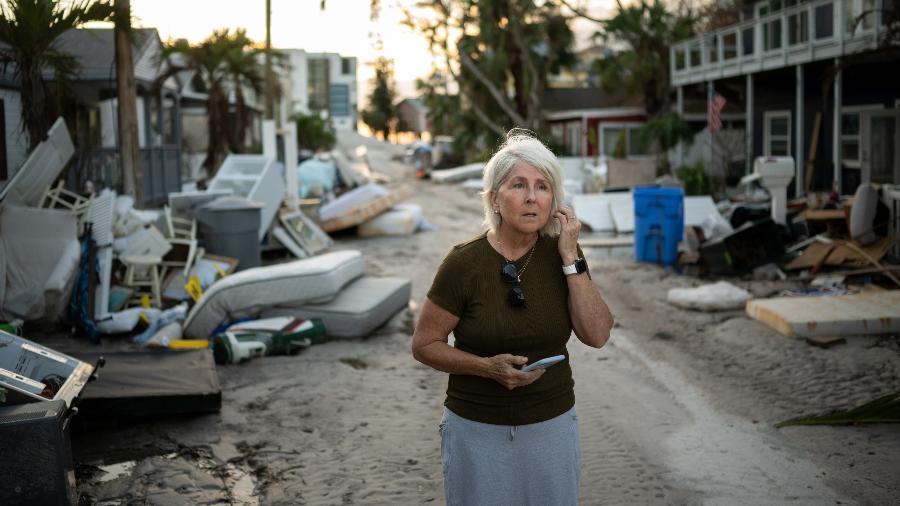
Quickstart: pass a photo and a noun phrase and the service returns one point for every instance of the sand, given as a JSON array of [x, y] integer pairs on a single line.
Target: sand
[[679, 407]]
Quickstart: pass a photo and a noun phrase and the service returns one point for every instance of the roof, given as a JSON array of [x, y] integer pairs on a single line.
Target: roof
[[567, 99], [413, 102], [95, 50]]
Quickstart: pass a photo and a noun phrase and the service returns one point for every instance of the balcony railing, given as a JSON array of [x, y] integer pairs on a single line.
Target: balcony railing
[[802, 33], [161, 171]]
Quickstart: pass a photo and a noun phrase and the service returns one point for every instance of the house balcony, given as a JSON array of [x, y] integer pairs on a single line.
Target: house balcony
[[798, 34]]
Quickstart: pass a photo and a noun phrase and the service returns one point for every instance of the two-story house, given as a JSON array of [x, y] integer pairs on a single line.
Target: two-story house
[[816, 80]]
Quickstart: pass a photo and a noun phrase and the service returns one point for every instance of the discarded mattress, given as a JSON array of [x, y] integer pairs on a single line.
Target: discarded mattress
[[151, 383], [402, 219], [361, 307], [243, 294], [840, 315]]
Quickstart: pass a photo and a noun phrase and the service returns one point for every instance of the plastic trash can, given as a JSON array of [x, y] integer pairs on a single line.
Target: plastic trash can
[[658, 223], [230, 227]]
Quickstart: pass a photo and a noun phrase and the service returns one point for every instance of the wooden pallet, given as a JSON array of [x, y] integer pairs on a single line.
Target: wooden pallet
[[366, 211]]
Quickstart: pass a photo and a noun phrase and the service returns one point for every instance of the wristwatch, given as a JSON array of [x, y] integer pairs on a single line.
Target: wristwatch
[[578, 267]]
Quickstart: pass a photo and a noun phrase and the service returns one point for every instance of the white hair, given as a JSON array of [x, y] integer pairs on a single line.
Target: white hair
[[522, 147]]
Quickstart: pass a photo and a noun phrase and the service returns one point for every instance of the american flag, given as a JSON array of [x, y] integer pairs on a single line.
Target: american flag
[[716, 103]]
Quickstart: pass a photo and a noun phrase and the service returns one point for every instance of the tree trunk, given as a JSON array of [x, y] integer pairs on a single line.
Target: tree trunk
[[38, 108], [217, 111], [126, 93]]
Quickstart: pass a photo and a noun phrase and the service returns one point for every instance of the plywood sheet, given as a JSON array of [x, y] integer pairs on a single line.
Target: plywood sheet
[[862, 313]]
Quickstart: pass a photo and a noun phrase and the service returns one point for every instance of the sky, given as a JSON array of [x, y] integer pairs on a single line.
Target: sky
[[343, 27]]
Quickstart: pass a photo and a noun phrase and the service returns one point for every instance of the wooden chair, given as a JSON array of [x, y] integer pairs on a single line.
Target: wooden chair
[[181, 232], [57, 197]]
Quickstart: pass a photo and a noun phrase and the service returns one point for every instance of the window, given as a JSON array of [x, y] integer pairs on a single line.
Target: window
[[611, 136], [777, 133], [859, 15], [573, 138], [851, 131], [339, 100], [317, 84], [346, 66]]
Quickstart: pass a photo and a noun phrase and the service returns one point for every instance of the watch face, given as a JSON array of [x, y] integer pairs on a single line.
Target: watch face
[[580, 265]]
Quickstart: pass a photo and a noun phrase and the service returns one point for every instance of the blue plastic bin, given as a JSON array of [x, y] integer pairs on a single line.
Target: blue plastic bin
[[658, 223]]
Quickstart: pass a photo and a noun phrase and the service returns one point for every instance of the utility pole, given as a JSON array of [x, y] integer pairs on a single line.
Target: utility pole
[[270, 77], [126, 93]]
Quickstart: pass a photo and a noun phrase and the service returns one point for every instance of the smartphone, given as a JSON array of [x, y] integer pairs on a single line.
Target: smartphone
[[543, 363]]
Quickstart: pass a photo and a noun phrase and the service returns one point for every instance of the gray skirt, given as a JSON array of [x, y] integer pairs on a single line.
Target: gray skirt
[[538, 464]]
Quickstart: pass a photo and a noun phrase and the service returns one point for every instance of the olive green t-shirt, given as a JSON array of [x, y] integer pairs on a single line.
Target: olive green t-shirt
[[468, 284]]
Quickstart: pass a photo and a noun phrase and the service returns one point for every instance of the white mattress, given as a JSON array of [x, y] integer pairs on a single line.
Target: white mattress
[[361, 307], [245, 293]]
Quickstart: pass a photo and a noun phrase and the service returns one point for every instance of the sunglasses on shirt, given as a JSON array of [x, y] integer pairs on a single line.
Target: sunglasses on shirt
[[510, 274]]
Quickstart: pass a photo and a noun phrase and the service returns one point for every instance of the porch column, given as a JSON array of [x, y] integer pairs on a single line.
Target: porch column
[[836, 131], [584, 137], [710, 93], [748, 121], [799, 145], [680, 104]]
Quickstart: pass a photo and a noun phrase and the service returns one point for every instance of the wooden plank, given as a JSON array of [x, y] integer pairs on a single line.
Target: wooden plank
[[367, 210], [606, 242], [862, 313]]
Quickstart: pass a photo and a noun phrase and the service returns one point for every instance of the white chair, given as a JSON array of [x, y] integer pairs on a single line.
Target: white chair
[[57, 197], [142, 275], [181, 233]]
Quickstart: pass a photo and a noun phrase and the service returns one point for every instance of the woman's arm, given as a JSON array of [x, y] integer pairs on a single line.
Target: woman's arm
[[591, 318], [430, 346]]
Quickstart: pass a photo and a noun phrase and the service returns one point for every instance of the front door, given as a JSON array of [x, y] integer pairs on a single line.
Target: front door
[[880, 141]]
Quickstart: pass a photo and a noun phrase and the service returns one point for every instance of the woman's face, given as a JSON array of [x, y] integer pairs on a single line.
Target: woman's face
[[524, 199]]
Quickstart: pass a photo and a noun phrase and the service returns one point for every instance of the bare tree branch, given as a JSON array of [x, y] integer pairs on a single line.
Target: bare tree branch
[[498, 95], [581, 14], [534, 109]]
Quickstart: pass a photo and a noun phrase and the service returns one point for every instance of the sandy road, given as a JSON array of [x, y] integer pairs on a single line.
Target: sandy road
[[678, 409]]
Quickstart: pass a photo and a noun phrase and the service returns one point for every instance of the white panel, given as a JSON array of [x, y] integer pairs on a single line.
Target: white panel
[[101, 215], [43, 166]]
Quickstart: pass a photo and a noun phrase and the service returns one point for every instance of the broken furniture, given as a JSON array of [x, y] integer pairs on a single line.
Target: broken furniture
[[862, 313], [659, 223], [182, 235], [58, 197], [143, 277], [303, 232], [256, 178], [37, 466], [31, 372], [229, 227], [749, 246], [39, 256], [30, 183], [359, 205], [360, 307], [100, 216], [152, 383], [247, 292]]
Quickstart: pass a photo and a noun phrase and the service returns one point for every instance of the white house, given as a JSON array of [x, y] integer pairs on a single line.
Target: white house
[[322, 83]]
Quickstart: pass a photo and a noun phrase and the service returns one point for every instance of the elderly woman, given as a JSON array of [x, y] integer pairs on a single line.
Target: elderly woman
[[512, 296]]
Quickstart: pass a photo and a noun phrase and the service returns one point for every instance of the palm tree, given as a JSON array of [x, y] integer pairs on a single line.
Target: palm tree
[[244, 70], [207, 61], [29, 30], [222, 60]]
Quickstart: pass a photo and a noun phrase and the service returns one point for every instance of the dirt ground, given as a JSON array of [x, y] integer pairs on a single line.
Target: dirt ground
[[679, 407]]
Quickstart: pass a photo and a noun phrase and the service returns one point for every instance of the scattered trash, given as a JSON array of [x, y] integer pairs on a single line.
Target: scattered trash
[[272, 336]]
